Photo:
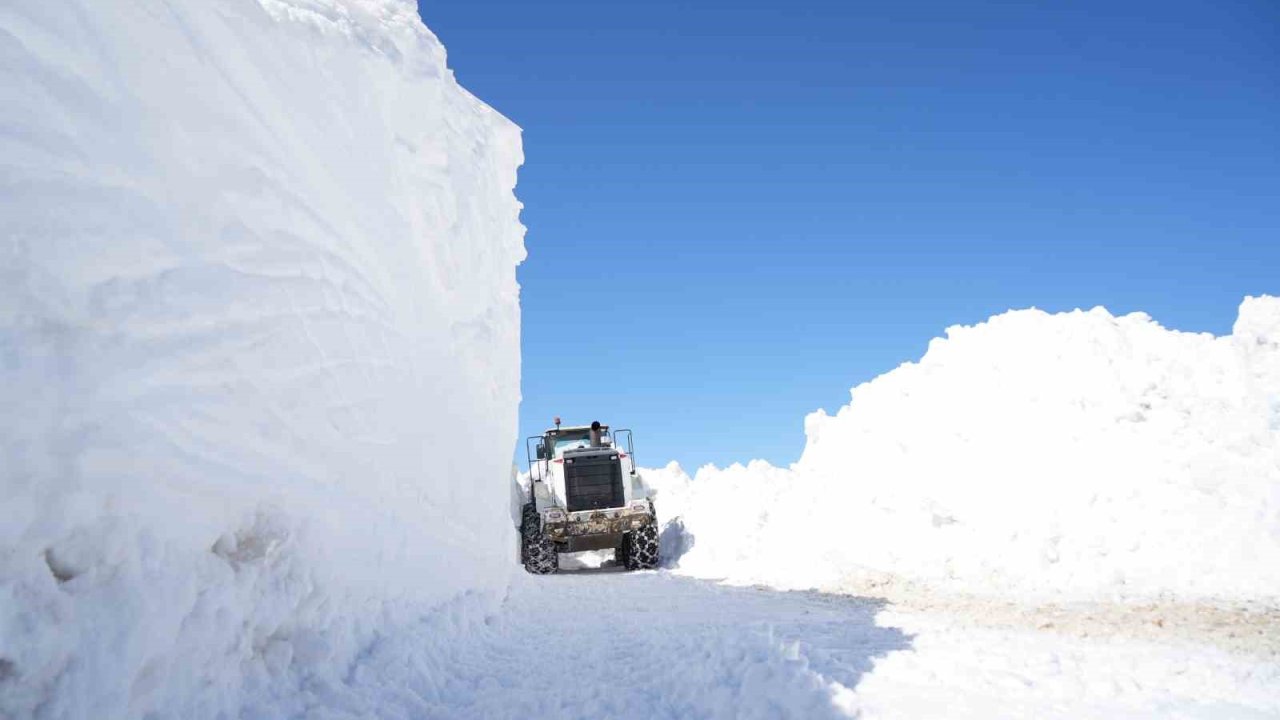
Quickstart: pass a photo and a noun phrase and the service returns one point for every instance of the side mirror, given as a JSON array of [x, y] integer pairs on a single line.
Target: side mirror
[[542, 451]]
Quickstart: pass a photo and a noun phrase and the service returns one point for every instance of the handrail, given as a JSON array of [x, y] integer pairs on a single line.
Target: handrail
[[630, 447]]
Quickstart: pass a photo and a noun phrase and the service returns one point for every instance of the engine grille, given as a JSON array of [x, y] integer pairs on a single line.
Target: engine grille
[[592, 482]]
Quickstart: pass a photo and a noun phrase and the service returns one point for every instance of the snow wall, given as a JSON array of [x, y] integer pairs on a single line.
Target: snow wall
[[1068, 456], [259, 358]]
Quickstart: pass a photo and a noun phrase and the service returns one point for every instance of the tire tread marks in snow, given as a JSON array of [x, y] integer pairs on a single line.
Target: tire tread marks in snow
[[537, 551]]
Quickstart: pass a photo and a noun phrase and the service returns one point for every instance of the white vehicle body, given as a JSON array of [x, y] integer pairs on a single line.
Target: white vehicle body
[[587, 495]]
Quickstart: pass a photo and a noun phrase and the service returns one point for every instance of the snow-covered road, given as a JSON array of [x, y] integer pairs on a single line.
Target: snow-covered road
[[597, 643]]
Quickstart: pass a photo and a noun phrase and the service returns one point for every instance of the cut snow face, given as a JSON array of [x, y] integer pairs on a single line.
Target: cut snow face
[[1076, 455], [259, 357]]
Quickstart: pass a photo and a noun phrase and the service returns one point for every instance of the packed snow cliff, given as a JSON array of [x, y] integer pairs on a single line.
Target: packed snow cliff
[[1068, 456], [259, 359]]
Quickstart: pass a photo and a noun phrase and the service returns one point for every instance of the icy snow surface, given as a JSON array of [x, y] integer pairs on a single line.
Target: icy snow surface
[[259, 358], [1070, 456], [607, 644]]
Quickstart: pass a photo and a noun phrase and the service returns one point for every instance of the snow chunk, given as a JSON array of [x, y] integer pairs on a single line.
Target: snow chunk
[[1071, 455], [259, 355]]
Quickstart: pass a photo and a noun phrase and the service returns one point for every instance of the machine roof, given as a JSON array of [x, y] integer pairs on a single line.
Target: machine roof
[[573, 428]]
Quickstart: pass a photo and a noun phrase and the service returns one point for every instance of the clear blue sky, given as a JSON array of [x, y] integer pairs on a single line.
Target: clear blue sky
[[739, 210]]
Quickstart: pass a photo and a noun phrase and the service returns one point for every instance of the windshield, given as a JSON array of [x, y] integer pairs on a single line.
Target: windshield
[[571, 442]]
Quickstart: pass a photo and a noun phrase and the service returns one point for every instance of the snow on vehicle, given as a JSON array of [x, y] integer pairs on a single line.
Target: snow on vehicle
[[585, 494]]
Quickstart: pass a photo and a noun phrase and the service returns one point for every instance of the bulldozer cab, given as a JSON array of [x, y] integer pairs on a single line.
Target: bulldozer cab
[[570, 441], [555, 442]]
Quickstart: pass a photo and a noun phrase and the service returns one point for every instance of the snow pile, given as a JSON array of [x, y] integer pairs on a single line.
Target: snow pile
[[259, 356], [1077, 455]]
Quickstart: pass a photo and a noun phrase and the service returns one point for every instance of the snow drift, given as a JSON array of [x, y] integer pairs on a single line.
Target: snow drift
[[259, 355], [1076, 455]]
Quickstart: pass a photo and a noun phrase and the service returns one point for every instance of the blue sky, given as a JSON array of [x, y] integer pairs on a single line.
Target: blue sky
[[737, 211]]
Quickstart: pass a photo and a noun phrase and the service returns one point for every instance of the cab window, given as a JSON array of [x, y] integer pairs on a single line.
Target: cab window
[[571, 442]]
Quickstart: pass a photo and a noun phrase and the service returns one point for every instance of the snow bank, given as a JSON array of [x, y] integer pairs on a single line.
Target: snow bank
[[259, 356], [1077, 455]]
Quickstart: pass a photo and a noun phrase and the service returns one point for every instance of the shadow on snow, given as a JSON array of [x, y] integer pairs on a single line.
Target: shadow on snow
[[602, 642]]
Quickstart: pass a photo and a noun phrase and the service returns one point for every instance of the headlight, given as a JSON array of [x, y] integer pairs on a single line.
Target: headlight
[[554, 516], [640, 506]]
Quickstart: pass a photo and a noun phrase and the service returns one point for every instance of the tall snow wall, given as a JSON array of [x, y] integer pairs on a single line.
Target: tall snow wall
[[1068, 456], [259, 360]]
